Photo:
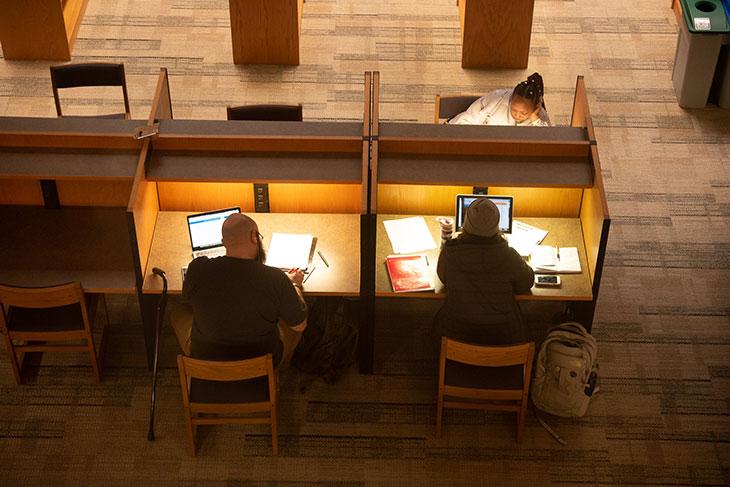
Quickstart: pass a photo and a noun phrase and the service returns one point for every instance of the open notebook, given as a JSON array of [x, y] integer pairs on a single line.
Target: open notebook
[[290, 250]]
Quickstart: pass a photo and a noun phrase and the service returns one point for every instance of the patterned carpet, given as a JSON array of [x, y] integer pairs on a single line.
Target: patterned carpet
[[662, 416]]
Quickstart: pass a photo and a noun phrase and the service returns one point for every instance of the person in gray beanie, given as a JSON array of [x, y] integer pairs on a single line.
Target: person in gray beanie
[[482, 274]]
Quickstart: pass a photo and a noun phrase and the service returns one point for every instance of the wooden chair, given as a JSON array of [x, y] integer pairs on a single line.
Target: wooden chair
[[277, 113], [482, 377], [37, 319], [449, 106], [238, 392], [90, 74]]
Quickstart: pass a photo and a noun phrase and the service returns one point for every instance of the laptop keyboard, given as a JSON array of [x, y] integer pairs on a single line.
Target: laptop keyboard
[[210, 253]]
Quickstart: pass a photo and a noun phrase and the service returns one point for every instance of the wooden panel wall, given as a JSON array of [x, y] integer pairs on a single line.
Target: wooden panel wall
[[161, 108], [20, 192], [315, 198], [199, 196], [543, 202], [412, 199], [593, 213], [144, 206], [94, 193]]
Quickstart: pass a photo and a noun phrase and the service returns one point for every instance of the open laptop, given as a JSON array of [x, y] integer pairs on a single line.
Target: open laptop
[[205, 229], [503, 203]]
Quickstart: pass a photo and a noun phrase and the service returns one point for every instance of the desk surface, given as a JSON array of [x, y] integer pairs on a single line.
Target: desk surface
[[565, 231], [338, 238], [40, 247]]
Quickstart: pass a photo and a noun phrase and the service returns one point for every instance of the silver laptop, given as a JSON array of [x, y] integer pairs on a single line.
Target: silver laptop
[[205, 231]]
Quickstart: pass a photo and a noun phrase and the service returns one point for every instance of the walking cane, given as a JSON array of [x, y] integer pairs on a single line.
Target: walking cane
[[158, 325]]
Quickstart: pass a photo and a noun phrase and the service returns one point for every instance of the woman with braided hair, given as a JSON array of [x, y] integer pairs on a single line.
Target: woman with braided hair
[[521, 106]]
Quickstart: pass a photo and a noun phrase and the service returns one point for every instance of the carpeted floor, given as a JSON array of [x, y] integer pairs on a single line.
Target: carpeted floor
[[662, 416]]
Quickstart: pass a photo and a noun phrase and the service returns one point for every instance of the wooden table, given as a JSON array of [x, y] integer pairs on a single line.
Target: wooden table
[[338, 238], [565, 232], [265, 31], [495, 33], [40, 29], [40, 247]]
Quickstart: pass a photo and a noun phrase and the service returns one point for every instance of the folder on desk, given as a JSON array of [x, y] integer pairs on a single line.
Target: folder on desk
[[546, 259], [290, 250], [409, 273]]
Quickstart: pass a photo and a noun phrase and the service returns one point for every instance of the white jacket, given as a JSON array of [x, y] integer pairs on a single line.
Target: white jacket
[[493, 109]]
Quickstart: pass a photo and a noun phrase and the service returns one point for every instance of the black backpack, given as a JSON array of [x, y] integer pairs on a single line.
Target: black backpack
[[329, 342]]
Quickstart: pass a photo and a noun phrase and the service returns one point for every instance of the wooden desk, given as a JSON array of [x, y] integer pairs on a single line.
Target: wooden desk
[[40, 29], [338, 238], [564, 231], [495, 33], [40, 247], [265, 31]]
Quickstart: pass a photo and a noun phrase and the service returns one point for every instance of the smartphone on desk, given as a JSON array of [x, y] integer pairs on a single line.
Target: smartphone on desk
[[547, 280]]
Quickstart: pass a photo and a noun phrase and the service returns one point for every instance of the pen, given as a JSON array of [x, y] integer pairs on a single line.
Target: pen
[[319, 252], [557, 251], [310, 273]]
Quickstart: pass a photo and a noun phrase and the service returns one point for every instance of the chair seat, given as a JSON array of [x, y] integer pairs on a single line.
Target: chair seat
[[63, 318], [219, 392], [477, 377]]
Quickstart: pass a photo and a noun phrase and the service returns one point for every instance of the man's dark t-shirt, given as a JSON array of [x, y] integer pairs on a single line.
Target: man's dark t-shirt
[[237, 304]]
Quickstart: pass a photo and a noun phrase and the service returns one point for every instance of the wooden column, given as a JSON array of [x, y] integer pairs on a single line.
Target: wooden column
[[40, 29], [265, 31], [495, 33]]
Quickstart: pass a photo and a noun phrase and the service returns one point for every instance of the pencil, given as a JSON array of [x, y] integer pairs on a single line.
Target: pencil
[[319, 252]]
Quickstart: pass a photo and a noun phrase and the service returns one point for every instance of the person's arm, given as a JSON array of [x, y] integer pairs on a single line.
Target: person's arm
[[524, 275], [190, 277], [478, 111], [295, 311], [441, 266]]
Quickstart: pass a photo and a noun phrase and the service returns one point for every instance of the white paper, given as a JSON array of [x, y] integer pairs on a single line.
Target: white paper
[[524, 238], [289, 250], [409, 235], [545, 259]]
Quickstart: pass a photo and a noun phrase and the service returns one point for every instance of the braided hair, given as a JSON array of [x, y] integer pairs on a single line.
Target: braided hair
[[531, 89]]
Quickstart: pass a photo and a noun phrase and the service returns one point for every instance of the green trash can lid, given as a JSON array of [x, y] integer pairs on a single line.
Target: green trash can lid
[[705, 16]]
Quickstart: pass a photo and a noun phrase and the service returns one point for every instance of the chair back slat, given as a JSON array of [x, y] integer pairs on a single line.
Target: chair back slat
[[42, 297], [492, 356], [87, 74], [228, 371], [276, 113], [451, 105]]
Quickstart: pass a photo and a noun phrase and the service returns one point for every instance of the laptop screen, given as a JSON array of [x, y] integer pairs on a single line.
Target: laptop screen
[[206, 228], [503, 203]]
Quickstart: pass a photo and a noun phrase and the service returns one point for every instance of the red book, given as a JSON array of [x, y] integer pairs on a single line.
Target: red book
[[409, 273]]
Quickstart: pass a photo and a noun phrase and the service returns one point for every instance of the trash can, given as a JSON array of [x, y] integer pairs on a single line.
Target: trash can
[[723, 66], [698, 47]]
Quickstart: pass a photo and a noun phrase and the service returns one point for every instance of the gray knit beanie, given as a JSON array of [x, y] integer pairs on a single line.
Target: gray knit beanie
[[482, 218]]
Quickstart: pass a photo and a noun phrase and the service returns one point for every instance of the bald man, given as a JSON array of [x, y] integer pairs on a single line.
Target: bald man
[[241, 307]]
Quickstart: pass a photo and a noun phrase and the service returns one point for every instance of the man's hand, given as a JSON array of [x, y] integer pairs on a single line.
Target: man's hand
[[296, 276]]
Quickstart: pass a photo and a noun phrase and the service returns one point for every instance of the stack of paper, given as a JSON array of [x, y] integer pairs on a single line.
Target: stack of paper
[[524, 238], [290, 250], [548, 259], [409, 235]]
